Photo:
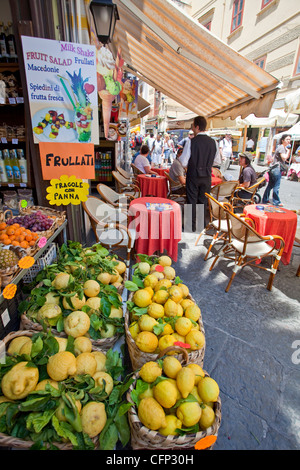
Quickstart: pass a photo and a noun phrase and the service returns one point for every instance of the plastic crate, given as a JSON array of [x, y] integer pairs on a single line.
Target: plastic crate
[[48, 257]]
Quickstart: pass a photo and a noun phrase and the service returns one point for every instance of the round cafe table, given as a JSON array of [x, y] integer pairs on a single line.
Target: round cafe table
[[156, 230], [275, 221], [161, 171], [153, 185]]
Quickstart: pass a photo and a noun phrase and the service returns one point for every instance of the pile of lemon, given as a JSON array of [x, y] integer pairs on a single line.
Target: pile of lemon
[[169, 314], [174, 397]]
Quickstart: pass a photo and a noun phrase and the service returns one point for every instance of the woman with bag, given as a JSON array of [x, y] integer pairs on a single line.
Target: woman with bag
[[282, 154]]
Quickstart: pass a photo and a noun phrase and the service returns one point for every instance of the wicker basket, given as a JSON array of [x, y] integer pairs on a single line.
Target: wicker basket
[[8, 274], [17, 443], [59, 216], [138, 357], [143, 438]]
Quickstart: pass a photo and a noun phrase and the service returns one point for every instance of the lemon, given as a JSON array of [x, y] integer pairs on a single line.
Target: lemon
[[19, 381], [163, 283], [173, 423], [193, 312], [153, 268], [184, 288], [104, 278], [104, 380], [144, 268], [178, 337], [208, 389], [151, 414], [150, 371], [158, 275], [115, 277], [171, 366], [26, 348], [150, 281], [168, 330], [142, 298], [52, 298], [146, 323], [61, 365], [120, 267], [195, 394], [186, 303], [198, 372], [146, 341], [86, 364], [166, 341], [82, 344], [42, 385], [62, 343], [100, 360], [173, 381], [185, 380], [147, 393], [195, 339], [160, 297], [169, 272], [183, 325], [59, 413], [109, 331], [75, 301], [150, 290], [175, 294], [94, 303], [16, 344], [165, 393], [207, 417], [179, 310], [134, 329], [171, 308], [165, 260], [189, 413], [116, 312], [156, 310], [93, 418], [77, 324], [61, 281]]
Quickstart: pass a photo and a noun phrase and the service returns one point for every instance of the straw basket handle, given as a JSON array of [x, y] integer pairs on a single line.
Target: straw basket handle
[[177, 349]]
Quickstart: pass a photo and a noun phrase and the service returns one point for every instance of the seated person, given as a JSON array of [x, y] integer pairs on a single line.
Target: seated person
[[294, 170], [247, 176], [177, 174], [142, 162]]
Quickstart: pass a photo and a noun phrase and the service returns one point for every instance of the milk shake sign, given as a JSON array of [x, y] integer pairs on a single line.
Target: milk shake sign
[[62, 90]]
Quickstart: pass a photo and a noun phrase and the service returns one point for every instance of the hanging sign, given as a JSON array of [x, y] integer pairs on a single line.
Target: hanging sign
[[62, 90], [67, 190], [128, 99], [67, 159]]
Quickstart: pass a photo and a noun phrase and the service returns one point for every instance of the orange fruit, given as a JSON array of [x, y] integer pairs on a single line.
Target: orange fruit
[[28, 238], [32, 243], [20, 238], [24, 244], [3, 236], [10, 230], [12, 237], [15, 243], [2, 225], [7, 241]]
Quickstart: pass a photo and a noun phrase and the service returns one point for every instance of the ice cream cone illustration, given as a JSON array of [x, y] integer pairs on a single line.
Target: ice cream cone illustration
[[107, 100]]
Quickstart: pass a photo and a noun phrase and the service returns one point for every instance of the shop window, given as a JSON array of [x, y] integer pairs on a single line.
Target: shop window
[[261, 62], [237, 14], [297, 63], [208, 26]]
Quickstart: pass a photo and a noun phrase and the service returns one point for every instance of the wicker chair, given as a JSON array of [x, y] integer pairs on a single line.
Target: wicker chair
[[179, 198], [122, 185], [113, 198], [124, 173], [217, 223], [136, 171], [217, 173], [224, 190], [110, 225], [247, 247], [252, 190]]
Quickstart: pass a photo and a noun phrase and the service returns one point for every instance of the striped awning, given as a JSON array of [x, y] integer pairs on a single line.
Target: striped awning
[[176, 55]]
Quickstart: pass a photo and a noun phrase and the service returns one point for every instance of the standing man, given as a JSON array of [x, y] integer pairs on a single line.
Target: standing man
[[198, 177], [156, 151], [225, 146]]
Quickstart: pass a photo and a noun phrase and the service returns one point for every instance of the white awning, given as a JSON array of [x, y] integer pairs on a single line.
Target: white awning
[[277, 118], [292, 102], [176, 55]]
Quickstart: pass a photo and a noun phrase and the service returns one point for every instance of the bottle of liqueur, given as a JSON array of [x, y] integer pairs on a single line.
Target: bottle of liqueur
[[3, 45], [11, 44]]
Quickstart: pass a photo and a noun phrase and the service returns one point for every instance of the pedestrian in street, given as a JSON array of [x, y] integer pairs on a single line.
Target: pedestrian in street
[[166, 149], [198, 177], [185, 144], [225, 146], [156, 151], [282, 154], [250, 145]]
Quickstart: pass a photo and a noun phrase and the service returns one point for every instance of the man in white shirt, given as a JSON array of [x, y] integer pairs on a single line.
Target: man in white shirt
[[225, 147], [142, 162], [249, 145]]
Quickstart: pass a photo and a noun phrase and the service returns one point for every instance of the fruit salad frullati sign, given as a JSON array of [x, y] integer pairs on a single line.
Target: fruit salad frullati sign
[[67, 190], [62, 90]]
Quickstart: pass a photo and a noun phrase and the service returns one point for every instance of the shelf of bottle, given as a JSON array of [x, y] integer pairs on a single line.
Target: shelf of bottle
[[16, 103], [14, 185], [14, 141]]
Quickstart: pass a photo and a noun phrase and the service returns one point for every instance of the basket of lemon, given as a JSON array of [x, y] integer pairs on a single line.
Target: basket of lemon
[[161, 312], [174, 405], [55, 394]]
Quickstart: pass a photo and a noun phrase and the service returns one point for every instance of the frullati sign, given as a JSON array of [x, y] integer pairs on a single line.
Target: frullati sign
[[69, 159]]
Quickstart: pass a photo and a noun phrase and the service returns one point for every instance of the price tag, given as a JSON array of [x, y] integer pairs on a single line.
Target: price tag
[[206, 442], [24, 203], [9, 291], [42, 242], [20, 99], [4, 140], [182, 345], [11, 185], [5, 317], [12, 100], [15, 141], [23, 185], [159, 268]]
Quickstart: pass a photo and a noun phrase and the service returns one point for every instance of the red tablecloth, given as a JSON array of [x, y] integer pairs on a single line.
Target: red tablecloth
[[161, 171], [153, 186], [282, 223], [155, 230]]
